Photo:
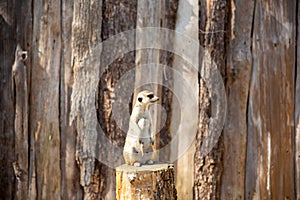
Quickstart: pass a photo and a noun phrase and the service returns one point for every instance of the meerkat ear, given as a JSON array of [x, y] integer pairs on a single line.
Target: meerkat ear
[[140, 99]]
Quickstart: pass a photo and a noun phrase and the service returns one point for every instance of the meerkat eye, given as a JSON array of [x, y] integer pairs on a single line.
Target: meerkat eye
[[150, 96], [140, 99]]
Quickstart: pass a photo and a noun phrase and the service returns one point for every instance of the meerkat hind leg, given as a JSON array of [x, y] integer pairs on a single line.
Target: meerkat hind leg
[[136, 158]]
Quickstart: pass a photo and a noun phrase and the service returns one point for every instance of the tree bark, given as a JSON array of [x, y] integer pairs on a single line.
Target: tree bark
[[8, 42], [252, 43], [86, 33], [208, 168], [118, 16], [146, 182]]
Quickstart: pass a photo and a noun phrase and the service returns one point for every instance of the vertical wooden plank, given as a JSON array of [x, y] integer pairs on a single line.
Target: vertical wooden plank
[[186, 112], [24, 17], [86, 34], [161, 14], [71, 188], [7, 48], [297, 108], [149, 14], [238, 71], [270, 147], [44, 97], [168, 20], [20, 91], [208, 168], [21, 83], [118, 16], [15, 30]]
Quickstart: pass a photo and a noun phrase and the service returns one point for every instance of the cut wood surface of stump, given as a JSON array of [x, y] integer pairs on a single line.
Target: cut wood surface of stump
[[146, 182]]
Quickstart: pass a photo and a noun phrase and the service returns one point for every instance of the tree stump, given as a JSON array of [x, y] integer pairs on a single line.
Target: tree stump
[[146, 182]]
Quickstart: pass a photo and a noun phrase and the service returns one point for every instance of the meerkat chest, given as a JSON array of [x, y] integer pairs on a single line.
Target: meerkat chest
[[139, 113], [144, 125], [140, 126], [145, 135]]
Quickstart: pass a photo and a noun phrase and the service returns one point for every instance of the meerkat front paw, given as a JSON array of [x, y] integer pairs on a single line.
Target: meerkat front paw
[[151, 141], [150, 162], [137, 164]]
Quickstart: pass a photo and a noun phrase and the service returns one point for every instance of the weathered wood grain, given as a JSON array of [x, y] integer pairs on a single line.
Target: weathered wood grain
[[238, 71], [149, 14], [297, 109], [270, 144], [147, 182], [44, 97], [86, 34], [184, 115], [151, 66], [24, 33], [70, 173], [168, 20], [251, 41], [208, 168], [118, 16], [8, 44], [20, 91]]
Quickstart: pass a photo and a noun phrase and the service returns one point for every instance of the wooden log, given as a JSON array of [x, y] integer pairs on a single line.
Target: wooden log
[[146, 182]]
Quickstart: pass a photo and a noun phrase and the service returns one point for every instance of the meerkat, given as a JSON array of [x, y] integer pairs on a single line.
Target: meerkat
[[138, 148], [146, 140]]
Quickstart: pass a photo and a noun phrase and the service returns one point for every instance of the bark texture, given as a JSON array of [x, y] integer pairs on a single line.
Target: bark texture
[[208, 168], [118, 16], [12, 117], [147, 182], [151, 67], [86, 32], [54, 103]]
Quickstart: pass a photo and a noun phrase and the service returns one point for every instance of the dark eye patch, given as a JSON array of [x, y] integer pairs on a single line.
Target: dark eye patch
[[150, 96], [140, 99]]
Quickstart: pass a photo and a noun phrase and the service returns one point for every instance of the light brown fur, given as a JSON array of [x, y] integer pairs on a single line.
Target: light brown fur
[[139, 142]]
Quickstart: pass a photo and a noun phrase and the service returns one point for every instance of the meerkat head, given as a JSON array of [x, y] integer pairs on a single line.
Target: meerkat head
[[146, 98]]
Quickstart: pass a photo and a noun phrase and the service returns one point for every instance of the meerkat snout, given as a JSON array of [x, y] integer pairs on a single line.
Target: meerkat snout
[[152, 98], [146, 97]]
